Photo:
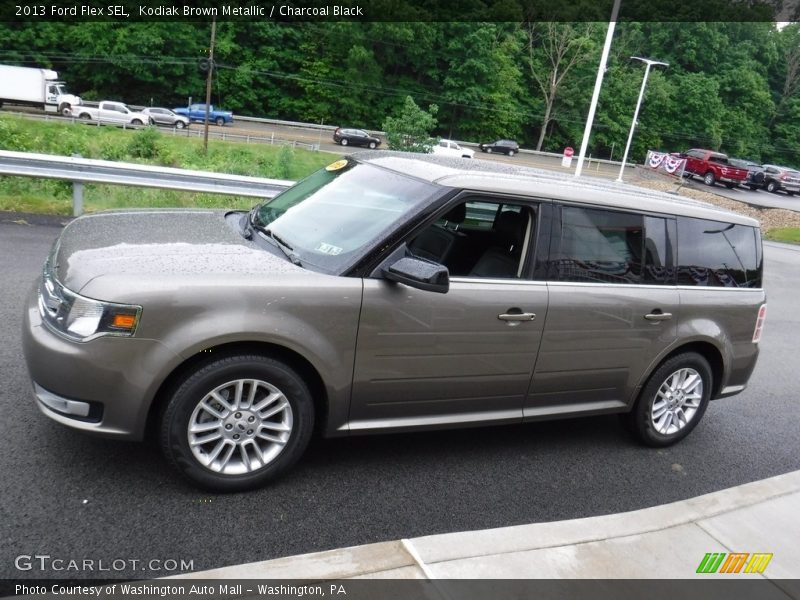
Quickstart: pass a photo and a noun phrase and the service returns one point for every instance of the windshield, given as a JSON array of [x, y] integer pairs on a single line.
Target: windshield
[[330, 218]]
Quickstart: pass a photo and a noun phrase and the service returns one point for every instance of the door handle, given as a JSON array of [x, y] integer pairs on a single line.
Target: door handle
[[517, 316], [658, 316]]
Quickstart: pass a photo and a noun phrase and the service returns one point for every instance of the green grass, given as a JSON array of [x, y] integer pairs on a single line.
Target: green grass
[[789, 235], [148, 146]]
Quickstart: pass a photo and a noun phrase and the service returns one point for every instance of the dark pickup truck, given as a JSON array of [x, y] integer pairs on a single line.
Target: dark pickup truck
[[712, 167]]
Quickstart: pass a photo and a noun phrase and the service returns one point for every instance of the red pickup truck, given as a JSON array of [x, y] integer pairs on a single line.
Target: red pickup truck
[[712, 167]]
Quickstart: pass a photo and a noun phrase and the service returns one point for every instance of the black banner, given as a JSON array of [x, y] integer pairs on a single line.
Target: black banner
[[712, 588], [398, 10]]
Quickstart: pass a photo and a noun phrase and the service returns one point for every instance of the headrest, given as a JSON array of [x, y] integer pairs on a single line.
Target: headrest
[[511, 227], [457, 214]]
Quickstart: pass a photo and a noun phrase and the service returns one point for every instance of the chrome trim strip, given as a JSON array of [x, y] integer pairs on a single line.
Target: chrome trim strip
[[564, 409], [399, 423], [62, 405], [497, 281]]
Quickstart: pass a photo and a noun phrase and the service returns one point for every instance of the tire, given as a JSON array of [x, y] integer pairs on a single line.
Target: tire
[[488, 150], [753, 187], [85, 116], [666, 379], [709, 178], [511, 153], [772, 187], [65, 110], [242, 459], [790, 193], [730, 186], [219, 121], [343, 142], [136, 122], [179, 124], [372, 145]]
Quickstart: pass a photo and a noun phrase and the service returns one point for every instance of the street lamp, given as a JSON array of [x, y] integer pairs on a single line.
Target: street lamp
[[649, 64]]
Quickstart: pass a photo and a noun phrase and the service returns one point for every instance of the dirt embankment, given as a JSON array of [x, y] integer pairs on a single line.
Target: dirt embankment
[[770, 218]]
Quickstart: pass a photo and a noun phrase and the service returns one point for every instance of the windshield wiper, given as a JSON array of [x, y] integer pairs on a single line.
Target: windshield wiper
[[280, 243]]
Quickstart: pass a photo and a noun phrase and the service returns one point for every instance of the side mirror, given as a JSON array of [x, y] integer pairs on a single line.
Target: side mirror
[[420, 274]]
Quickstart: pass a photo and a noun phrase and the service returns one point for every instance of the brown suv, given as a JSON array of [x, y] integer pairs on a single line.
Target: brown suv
[[392, 292]]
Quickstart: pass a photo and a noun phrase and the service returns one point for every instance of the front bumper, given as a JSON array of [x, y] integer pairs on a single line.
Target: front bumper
[[104, 387]]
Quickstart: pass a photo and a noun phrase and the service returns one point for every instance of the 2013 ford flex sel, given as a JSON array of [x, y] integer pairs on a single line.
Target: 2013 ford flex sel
[[389, 292]]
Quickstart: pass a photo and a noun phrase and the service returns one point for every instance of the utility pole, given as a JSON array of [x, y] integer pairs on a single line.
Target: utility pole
[[208, 81]]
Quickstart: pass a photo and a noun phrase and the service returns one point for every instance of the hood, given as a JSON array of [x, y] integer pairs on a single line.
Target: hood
[[163, 243]]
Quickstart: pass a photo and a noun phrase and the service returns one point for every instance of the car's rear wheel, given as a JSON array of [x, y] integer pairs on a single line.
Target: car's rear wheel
[[85, 116], [372, 145], [709, 178], [179, 124], [237, 422], [136, 122], [343, 142], [673, 401]]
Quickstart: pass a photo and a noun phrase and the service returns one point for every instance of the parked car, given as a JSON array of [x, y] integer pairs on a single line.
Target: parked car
[[777, 179], [113, 113], [197, 113], [509, 147], [451, 148], [755, 172], [234, 333], [355, 137], [164, 116], [712, 167]]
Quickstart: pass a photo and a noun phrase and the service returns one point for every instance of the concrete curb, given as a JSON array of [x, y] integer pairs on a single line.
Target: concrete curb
[[685, 529]]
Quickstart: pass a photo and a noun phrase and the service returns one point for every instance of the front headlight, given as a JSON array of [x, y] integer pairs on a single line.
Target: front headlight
[[81, 319]]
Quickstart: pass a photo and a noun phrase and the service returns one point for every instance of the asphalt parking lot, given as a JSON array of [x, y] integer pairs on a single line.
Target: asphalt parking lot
[[74, 497]]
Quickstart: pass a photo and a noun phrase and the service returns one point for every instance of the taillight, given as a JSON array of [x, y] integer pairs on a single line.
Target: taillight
[[762, 314]]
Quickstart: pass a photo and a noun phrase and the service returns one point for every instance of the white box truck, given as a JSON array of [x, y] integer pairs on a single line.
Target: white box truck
[[35, 87]]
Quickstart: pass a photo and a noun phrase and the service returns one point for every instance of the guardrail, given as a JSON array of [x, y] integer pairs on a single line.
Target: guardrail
[[85, 170]]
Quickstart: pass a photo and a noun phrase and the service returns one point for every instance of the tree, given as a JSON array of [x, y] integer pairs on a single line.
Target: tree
[[411, 129], [553, 49]]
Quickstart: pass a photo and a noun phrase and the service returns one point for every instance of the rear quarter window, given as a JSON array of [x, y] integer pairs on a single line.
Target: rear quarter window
[[718, 254]]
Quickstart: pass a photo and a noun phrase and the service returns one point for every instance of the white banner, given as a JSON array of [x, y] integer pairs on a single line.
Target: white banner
[[665, 162]]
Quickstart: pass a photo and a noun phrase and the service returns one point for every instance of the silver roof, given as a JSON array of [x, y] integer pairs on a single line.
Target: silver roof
[[492, 176]]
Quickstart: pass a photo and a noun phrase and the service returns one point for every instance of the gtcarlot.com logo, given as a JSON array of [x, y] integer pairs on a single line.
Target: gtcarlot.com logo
[[46, 562], [735, 562]]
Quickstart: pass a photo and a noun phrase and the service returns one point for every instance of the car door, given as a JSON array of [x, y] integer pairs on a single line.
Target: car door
[[429, 359], [614, 309]]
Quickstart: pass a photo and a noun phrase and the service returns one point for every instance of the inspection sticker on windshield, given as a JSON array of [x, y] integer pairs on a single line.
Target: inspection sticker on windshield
[[335, 166], [328, 249]]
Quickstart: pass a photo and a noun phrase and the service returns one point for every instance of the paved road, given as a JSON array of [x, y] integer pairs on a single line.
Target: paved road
[[761, 198], [75, 497]]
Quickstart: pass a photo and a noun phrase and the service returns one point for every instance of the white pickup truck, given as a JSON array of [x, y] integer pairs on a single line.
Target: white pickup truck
[[115, 113]]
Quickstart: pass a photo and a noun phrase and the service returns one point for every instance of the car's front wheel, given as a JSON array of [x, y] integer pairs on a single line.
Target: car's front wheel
[[343, 141], [511, 153], [372, 145], [220, 121], [709, 178], [673, 401], [237, 422], [772, 187], [488, 150]]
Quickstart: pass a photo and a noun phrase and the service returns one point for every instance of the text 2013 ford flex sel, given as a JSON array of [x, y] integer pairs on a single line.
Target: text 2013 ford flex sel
[[393, 293]]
